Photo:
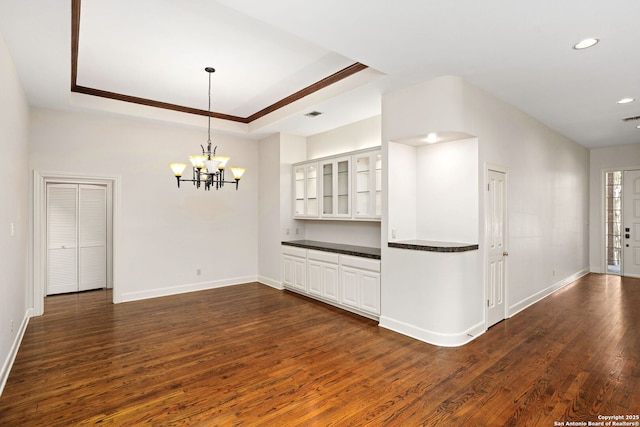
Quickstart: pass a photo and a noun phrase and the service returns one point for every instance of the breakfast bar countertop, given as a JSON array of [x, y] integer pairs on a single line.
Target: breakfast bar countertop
[[431, 246]]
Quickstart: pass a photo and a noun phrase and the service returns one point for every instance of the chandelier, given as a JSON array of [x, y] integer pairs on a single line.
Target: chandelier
[[207, 168]]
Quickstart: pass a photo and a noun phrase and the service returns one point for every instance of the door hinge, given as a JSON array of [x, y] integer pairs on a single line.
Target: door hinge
[[488, 305], [488, 187]]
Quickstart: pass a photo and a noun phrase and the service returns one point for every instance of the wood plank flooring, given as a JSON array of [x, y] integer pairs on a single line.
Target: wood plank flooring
[[251, 355]]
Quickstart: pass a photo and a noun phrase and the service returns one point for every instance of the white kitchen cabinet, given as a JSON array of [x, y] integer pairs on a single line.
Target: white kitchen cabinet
[[323, 278], [367, 185], [348, 282], [294, 268], [360, 278], [370, 291], [344, 187], [305, 189], [335, 187], [350, 288]]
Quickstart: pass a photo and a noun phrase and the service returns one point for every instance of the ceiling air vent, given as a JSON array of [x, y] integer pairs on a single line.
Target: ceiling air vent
[[313, 114], [629, 119]]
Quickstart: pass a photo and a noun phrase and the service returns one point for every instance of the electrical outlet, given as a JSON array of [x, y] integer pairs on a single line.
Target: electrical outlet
[[13, 230], [12, 326], [287, 232], [198, 272], [297, 231], [393, 233]]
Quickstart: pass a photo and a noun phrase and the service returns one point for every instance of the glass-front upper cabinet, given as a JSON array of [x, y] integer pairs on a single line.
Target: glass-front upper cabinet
[[344, 187], [368, 185], [306, 191], [335, 188]]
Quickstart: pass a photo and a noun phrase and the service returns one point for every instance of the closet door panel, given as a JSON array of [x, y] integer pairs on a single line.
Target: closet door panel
[[92, 237], [62, 251]]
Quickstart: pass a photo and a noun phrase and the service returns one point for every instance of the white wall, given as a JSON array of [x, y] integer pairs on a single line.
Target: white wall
[[269, 211], [547, 206], [14, 116], [165, 233], [355, 136], [447, 193], [548, 196], [399, 189], [622, 157]]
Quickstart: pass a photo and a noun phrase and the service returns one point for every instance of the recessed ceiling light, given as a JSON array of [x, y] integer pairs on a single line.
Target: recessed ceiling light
[[626, 100], [586, 43], [431, 138], [313, 114]]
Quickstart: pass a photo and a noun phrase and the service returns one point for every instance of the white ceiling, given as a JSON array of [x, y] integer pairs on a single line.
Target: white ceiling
[[263, 51]]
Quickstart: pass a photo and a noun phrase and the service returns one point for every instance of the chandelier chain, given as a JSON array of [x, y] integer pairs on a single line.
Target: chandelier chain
[[209, 112]]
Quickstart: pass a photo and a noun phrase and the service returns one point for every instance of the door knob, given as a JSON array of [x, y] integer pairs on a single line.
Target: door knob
[[505, 253]]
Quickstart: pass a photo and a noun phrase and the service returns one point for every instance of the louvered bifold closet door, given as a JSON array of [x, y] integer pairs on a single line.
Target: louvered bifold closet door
[[92, 237], [62, 237]]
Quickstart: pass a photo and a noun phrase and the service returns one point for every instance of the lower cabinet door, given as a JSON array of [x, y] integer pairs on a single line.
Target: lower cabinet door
[[323, 279], [331, 282], [350, 288], [370, 291], [287, 270], [300, 274], [314, 270]]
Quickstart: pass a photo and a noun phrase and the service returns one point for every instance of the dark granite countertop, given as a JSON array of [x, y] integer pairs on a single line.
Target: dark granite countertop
[[361, 251], [426, 245]]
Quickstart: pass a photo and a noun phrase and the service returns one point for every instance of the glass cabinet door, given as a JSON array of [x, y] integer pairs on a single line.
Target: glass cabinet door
[[327, 189], [363, 183], [343, 181], [336, 184], [306, 191], [377, 206], [299, 186], [312, 190], [368, 185]]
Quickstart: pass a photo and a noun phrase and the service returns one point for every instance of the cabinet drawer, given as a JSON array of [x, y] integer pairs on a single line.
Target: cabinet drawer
[[323, 256], [361, 263], [294, 251]]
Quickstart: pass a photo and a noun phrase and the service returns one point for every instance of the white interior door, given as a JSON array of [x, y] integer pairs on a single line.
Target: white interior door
[[92, 237], [76, 237], [496, 214], [62, 238], [631, 223]]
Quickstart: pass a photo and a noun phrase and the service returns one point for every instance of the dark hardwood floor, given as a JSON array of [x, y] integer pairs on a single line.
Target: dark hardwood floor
[[251, 355]]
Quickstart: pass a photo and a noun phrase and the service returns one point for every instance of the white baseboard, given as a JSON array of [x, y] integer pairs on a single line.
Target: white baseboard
[[271, 282], [13, 351], [527, 302], [191, 287], [430, 337]]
